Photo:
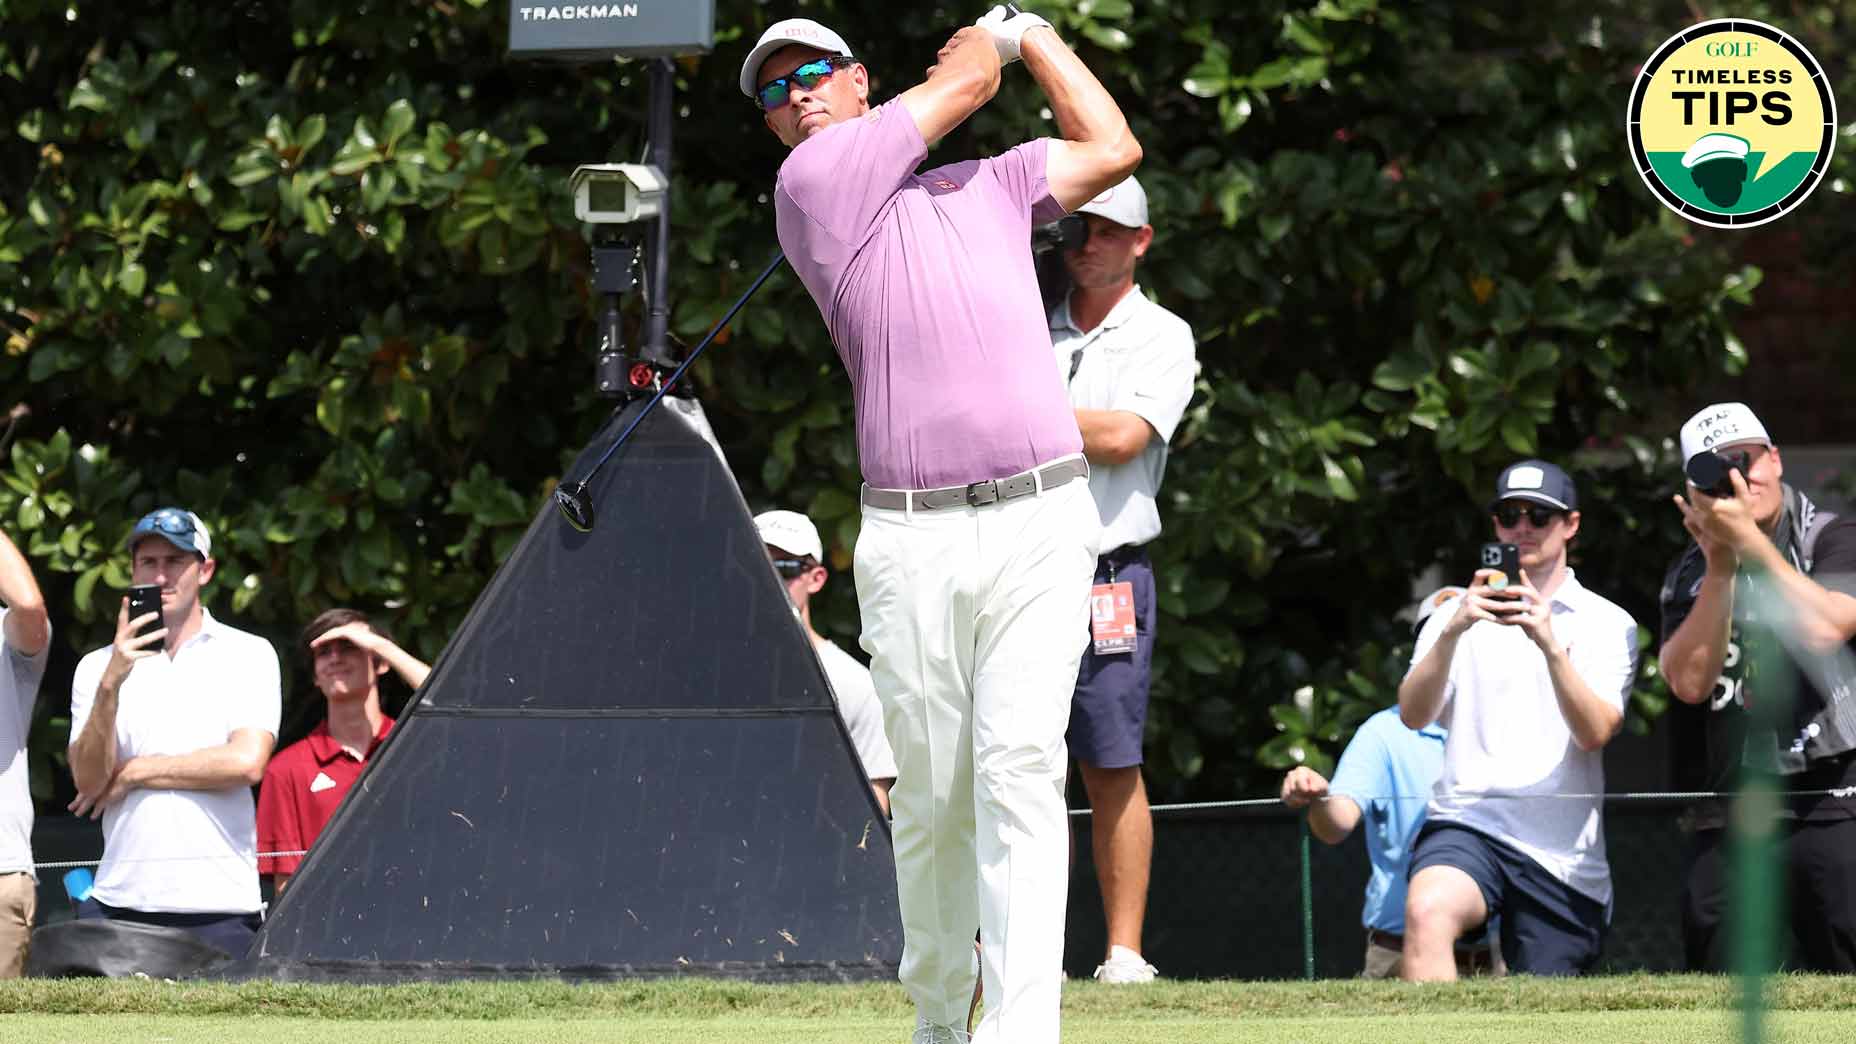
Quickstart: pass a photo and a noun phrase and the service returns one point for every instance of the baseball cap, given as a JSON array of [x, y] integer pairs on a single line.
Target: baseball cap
[[177, 526], [1538, 481], [1713, 147], [791, 532], [1124, 204], [1719, 425], [1432, 602], [791, 31]]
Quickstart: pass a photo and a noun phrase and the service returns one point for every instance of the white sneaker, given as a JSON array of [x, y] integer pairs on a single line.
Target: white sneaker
[[934, 1033], [1124, 967]]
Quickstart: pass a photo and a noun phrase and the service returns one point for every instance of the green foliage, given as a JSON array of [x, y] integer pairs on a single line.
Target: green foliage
[[311, 269]]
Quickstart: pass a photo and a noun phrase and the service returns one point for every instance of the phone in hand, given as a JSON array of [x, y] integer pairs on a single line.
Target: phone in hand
[[1504, 561], [145, 599]]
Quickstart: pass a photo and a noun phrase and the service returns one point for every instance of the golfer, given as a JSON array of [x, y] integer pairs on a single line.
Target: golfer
[[979, 536]]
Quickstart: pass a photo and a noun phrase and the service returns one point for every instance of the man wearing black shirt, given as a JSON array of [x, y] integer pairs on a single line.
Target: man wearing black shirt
[[1770, 578]]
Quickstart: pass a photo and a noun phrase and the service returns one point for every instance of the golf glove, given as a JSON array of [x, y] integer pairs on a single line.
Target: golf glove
[[1008, 30]]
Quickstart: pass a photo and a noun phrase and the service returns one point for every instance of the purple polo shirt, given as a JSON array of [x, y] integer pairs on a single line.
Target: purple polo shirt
[[927, 286]]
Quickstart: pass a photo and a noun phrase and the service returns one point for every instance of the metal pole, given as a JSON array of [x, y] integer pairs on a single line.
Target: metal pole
[[656, 347], [1308, 908]]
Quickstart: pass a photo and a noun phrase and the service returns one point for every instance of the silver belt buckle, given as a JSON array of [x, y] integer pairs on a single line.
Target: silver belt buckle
[[980, 494]]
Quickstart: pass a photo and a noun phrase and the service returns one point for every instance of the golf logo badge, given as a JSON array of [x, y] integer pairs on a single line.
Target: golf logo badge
[[1732, 123]]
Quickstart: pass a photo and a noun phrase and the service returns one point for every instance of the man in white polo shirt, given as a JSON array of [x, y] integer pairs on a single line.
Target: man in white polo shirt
[[169, 732], [25, 644], [1529, 674], [799, 557], [1130, 365]]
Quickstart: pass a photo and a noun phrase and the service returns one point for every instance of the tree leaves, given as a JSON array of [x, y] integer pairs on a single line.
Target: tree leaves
[[324, 279]]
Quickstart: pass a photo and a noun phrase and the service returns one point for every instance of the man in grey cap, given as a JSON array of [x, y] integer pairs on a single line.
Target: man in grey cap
[[170, 730], [978, 541], [1530, 680], [1769, 577], [1129, 364]]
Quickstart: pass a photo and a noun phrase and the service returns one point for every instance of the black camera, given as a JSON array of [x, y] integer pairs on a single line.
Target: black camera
[[1048, 245], [1711, 470], [1066, 233]]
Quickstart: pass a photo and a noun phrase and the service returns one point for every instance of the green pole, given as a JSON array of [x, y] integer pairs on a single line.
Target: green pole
[[1308, 908], [1756, 897]]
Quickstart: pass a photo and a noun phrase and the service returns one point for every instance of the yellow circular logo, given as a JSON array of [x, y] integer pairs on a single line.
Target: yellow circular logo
[[1732, 123]]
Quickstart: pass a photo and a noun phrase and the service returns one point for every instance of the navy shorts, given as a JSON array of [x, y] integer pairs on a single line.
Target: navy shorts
[[1547, 928], [1109, 714]]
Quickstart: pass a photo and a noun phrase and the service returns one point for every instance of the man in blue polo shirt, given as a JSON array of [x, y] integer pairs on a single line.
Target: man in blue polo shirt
[[1385, 776]]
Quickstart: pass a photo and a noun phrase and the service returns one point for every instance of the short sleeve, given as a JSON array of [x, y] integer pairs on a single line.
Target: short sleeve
[[260, 706], [1022, 172], [842, 177], [84, 683], [1833, 557], [1607, 660], [1154, 382], [27, 671], [862, 713], [1362, 773], [280, 829]]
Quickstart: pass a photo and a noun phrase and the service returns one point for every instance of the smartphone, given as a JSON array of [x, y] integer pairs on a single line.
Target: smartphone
[[145, 599], [1505, 560]]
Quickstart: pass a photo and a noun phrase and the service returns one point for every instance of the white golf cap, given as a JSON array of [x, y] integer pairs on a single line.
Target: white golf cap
[[1715, 146], [1124, 204], [780, 34], [1719, 425], [791, 532]]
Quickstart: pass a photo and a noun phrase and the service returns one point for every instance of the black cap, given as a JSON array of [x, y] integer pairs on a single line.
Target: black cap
[[1538, 481]]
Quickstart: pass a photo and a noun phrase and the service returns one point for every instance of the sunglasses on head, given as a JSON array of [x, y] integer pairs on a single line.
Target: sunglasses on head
[[775, 93], [1538, 515], [793, 568], [168, 520]]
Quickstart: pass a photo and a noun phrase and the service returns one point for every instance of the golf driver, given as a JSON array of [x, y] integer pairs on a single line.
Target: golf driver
[[573, 498]]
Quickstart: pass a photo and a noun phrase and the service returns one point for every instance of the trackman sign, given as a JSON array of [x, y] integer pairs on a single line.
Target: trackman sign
[[577, 12], [600, 30]]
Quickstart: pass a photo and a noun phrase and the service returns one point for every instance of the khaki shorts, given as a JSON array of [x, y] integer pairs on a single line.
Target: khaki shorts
[[19, 901]]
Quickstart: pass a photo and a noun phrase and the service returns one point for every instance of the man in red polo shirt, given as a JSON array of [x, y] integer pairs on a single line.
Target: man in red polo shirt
[[306, 781]]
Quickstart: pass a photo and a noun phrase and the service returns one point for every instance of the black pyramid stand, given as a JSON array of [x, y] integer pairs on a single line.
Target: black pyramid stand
[[625, 764]]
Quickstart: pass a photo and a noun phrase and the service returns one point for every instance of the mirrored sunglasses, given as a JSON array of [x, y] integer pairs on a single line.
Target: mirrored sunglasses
[[776, 93]]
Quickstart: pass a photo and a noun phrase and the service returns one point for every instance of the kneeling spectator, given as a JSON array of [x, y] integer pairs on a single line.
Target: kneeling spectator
[[307, 780]]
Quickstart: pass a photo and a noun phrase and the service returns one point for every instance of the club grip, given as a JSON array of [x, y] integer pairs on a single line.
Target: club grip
[[1012, 11]]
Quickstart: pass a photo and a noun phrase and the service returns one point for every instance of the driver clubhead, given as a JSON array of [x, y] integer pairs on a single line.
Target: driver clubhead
[[576, 505]]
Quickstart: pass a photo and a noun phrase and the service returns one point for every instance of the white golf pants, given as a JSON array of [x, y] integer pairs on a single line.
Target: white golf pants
[[975, 620]]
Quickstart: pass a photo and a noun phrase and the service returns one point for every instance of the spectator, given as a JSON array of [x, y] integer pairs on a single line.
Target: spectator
[[25, 646], [307, 780], [1530, 679], [1385, 776], [1767, 572], [974, 559], [1130, 366], [169, 731], [798, 556]]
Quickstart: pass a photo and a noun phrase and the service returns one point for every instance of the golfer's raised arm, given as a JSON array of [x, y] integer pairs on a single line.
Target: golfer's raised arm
[[964, 77], [1097, 150]]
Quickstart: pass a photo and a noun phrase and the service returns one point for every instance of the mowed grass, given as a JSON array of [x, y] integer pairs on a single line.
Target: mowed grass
[[1611, 1010]]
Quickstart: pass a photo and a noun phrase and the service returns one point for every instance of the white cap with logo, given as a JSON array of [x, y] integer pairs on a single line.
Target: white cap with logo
[[1124, 204], [791, 532], [802, 31], [1720, 425]]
